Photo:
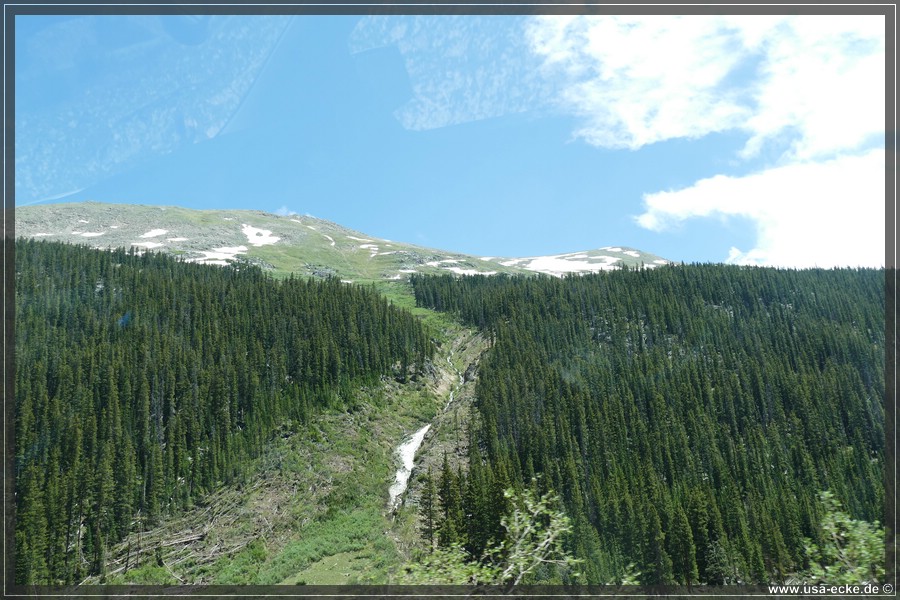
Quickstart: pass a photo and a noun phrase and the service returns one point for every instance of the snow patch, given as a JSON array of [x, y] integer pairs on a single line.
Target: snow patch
[[633, 253], [42, 234], [556, 265], [350, 237], [461, 271], [330, 239], [113, 226], [407, 270], [487, 258], [217, 255], [92, 233], [660, 261], [155, 233], [83, 221], [176, 239], [147, 244], [435, 263], [372, 248], [259, 237], [612, 249]]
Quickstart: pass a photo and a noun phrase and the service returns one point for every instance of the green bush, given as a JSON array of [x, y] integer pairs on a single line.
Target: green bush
[[534, 533], [851, 551]]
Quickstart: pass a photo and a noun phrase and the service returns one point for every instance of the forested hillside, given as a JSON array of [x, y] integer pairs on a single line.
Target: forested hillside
[[143, 383], [688, 416]]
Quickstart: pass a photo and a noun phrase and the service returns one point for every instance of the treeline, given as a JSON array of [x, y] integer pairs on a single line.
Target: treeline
[[143, 382], [687, 415]]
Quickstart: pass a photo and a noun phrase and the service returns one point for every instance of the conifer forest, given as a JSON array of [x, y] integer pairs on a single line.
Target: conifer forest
[[143, 382], [687, 417]]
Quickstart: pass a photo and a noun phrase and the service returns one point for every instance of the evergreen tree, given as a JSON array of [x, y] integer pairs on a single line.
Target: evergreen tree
[[682, 549], [451, 525], [657, 565], [428, 504]]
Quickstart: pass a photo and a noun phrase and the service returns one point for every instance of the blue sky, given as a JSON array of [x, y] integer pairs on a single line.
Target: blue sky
[[753, 140]]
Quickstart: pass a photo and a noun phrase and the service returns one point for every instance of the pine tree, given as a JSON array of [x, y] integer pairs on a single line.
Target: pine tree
[[428, 510], [682, 550], [31, 525], [451, 527], [657, 567]]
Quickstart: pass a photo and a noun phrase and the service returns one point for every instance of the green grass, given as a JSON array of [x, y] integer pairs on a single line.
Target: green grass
[[243, 567], [148, 574], [359, 531], [401, 294], [337, 569]]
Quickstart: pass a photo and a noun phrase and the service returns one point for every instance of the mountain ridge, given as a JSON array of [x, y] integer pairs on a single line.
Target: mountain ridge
[[291, 243]]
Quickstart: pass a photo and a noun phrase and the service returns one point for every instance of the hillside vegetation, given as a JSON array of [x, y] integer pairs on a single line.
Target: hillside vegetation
[[688, 416], [187, 423], [143, 384]]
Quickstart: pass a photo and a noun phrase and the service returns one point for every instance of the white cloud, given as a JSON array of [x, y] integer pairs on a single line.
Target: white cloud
[[460, 68], [639, 80], [828, 213], [809, 87], [824, 77]]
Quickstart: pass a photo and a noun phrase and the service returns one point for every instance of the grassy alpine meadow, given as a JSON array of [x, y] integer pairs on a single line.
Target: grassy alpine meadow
[[282, 244]]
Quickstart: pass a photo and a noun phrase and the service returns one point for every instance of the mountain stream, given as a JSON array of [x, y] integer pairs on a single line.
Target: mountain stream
[[406, 452]]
